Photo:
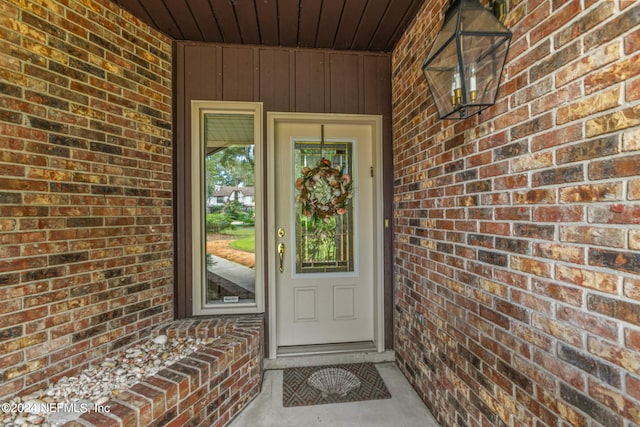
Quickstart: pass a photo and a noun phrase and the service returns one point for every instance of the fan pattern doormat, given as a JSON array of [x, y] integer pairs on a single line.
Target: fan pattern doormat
[[318, 385]]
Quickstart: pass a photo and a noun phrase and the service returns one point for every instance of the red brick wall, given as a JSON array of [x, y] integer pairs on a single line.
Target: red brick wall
[[85, 185], [517, 251]]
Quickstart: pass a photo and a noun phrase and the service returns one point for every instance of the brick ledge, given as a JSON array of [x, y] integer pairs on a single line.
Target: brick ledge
[[207, 388]]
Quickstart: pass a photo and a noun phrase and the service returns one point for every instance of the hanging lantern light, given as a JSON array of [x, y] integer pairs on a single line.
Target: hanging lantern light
[[465, 64]]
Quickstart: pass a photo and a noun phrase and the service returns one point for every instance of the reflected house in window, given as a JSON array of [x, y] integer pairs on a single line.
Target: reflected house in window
[[245, 196]]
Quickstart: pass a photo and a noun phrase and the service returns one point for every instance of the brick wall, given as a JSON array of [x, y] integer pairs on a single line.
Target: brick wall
[[85, 186], [517, 257]]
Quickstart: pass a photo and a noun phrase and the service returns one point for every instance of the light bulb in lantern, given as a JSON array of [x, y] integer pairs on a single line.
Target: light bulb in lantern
[[473, 84], [456, 88]]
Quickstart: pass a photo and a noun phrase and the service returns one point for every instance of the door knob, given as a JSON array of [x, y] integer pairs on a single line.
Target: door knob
[[281, 256]]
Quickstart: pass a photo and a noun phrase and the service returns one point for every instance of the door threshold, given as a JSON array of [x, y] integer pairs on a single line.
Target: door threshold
[[301, 350], [328, 354]]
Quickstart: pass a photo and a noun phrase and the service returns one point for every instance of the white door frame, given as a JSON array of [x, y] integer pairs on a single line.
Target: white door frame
[[323, 118]]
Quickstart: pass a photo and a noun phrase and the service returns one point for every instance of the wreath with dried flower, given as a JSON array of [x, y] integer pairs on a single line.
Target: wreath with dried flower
[[324, 191]]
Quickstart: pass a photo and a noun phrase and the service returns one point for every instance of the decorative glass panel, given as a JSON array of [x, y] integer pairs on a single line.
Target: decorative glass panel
[[229, 220], [324, 242]]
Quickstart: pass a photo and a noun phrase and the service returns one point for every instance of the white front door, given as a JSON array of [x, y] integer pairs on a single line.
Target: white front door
[[325, 264]]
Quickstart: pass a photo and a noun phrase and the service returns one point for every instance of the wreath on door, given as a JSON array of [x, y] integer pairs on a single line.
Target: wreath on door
[[325, 191]]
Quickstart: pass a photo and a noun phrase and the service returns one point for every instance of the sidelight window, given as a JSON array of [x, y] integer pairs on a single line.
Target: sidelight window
[[227, 207]]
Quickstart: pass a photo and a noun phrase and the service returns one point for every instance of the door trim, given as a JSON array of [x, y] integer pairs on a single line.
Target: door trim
[[375, 122]]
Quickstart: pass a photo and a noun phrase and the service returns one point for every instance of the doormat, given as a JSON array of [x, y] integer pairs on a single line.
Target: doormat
[[319, 385]]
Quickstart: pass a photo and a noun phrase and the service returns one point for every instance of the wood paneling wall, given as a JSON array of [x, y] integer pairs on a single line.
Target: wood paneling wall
[[283, 79], [293, 80]]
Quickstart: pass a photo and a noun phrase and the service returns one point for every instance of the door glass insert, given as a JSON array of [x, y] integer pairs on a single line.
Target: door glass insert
[[229, 220], [324, 219]]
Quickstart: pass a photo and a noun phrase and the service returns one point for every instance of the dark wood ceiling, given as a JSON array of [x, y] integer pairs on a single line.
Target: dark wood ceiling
[[373, 25]]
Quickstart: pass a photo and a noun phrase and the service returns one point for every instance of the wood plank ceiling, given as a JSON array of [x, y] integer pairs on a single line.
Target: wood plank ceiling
[[371, 25]]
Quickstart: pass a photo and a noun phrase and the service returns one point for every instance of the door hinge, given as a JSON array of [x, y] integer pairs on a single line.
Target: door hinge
[[371, 170]]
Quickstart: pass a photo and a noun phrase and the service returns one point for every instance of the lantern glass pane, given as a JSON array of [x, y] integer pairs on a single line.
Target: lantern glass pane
[[481, 53], [444, 36], [477, 19], [439, 75]]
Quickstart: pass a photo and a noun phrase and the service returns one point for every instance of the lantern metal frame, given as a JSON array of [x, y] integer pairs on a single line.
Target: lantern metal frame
[[466, 81]]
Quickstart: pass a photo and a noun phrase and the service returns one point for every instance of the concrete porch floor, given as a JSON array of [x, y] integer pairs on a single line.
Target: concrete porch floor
[[404, 408]]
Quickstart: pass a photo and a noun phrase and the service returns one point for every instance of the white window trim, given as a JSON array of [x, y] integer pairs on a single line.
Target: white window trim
[[198, 109]]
